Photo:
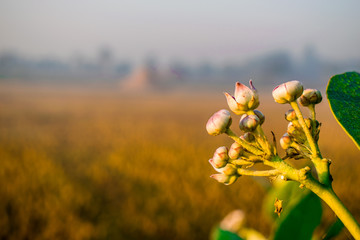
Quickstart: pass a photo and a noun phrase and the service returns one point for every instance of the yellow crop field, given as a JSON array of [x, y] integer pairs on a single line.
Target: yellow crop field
[[98, 163]]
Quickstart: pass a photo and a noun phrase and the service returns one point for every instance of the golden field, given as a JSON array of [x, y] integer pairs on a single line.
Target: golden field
[[98, 163]]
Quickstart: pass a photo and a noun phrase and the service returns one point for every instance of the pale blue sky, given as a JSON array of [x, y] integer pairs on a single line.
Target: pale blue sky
[[190, 30]]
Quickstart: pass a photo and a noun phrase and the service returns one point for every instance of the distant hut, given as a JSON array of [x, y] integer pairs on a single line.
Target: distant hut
[[141, 78]]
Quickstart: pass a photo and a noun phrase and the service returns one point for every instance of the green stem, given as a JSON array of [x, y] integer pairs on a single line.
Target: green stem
[[284, 168], [330, 198], [312, 111], [308, 135], [313, 118], [321, 165], [326, 193], [265, 173], [243, 143]]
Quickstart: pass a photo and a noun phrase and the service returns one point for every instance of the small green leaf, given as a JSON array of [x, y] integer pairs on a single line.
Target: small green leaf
[[289, 192], [219, 234], [343, 93], [301, 211], [300, 222]]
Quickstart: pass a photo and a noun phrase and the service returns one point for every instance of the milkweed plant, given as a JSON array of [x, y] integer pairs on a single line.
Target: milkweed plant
[[300, 141]]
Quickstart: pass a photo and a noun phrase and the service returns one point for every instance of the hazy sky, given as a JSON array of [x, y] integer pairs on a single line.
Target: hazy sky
[[191, 30]]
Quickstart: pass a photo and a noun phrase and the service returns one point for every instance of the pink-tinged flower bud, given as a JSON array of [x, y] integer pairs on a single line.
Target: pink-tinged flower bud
[[290, 115], [225, 179], [260, 115], [235, 151], [219, 122], [220, 157], [244, 98], [248, 123], [285, 141], [287, 92], [249, 137], [229, 169], [310, 96]]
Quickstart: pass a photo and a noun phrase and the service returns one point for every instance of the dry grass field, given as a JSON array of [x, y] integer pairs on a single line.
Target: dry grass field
[[97, 163]]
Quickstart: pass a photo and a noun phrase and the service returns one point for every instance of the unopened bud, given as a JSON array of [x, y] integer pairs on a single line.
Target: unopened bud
[[292, 130], [235, 150], [225, 179], [244, 98], [290, 115], [260, 115], [220, 157], [287, 92], [310, 96], [219, 122], [229, 169], [248, 123], [249, 137], [285, 141], [296, 133]]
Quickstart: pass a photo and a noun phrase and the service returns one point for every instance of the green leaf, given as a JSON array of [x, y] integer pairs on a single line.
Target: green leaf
[[301, 221], [301, 211], [219, 234], [343, 93], [289, 192]]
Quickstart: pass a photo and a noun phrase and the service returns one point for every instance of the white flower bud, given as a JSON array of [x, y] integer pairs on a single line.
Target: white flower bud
[[285, 141], [219, 122], [248, 123], [220, 157], [229, 169], [244, 98], [290, 115], [287, 92], [235, 151], [222, 178], [260, 115], [310, 96]]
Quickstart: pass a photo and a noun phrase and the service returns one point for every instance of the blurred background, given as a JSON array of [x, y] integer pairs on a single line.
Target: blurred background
[[103, 106]]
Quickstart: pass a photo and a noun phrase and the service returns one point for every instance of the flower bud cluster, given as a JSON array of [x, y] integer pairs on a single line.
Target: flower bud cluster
[[294, 141], [244, 103], [227, 172], [227, 162]]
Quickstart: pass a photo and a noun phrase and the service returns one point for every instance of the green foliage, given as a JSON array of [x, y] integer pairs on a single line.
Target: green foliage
[[343, 92], [301, 211], [334, 230], [220, 234]]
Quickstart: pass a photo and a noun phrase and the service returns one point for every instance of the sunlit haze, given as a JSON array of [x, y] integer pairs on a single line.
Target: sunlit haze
[[187, 30]]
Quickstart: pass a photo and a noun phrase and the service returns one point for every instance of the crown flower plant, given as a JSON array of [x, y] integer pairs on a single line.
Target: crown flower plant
[[253, 148]]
